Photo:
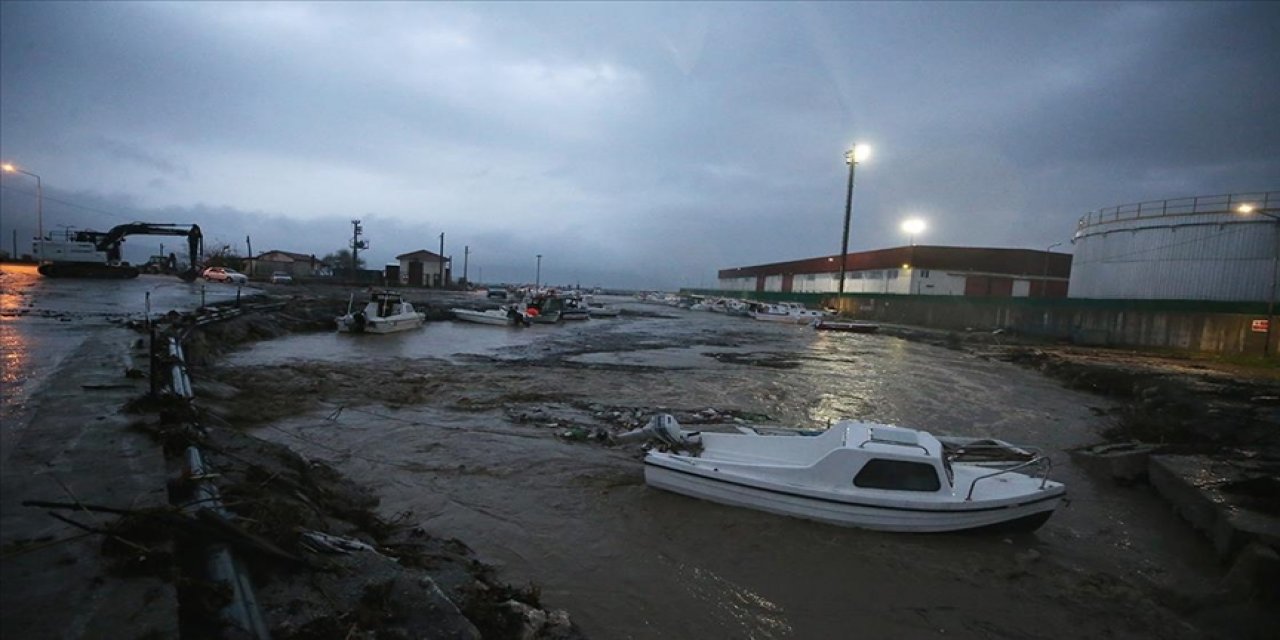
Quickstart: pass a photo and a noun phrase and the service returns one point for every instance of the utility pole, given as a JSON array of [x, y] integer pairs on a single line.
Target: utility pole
[[356, 245], [252, 263], [442, 283], [537, 275], [466, 256]]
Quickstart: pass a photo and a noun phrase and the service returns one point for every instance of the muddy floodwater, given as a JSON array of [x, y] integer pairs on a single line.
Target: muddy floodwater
[[463, 426]]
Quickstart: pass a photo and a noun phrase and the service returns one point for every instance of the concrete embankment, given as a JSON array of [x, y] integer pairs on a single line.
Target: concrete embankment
[[1207, 441]]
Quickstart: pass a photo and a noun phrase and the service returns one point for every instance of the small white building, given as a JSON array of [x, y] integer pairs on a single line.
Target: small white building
[[424, 268]]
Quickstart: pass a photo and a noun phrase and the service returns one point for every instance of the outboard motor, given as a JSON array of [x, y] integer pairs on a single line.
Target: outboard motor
[[664, 429]]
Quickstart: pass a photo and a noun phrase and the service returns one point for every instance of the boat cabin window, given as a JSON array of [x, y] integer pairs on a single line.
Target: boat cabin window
[[897, 475]]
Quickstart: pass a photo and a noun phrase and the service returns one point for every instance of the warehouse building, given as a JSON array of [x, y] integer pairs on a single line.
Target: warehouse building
[[914, 270]]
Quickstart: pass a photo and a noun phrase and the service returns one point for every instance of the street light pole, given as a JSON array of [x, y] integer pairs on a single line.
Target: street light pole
[[1044, 277], [1275, 268], [537, 275], [39, 209], [852, 157]]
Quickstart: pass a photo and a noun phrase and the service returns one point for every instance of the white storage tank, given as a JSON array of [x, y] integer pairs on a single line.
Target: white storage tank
[[1201, 248]]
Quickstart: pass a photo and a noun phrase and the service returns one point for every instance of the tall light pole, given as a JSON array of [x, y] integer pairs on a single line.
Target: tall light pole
[[39, 208], [1248, 209], [853, 156], [911, 227], [1044, 277], [537, 275]]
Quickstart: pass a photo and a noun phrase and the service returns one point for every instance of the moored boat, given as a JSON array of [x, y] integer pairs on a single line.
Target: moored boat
[[855, 474], [385, 312], [505, 316], [574, 309], [602, 310], [790, 312]]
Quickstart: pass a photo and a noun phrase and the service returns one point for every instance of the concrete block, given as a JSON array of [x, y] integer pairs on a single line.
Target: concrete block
[[1173, 478], [1124, 462]]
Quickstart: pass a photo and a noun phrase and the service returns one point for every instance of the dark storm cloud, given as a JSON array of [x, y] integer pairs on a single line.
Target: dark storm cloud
[[635, 144]]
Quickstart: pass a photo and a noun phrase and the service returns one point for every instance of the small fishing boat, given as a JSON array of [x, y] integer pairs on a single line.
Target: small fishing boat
[[385, 312], [504, 316], [574, 309], [790, 312], [854, 474], [847, 327], [545, 309]]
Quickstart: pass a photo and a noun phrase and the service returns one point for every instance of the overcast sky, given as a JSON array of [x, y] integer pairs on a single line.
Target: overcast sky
[[633, 145]]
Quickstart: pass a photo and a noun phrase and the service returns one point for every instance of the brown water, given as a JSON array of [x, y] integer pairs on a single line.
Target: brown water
[[631, 562]]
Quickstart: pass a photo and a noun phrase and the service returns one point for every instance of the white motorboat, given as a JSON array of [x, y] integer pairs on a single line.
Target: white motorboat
[[506, 316], [855, 474], [792, 312], [574, 308], [386, 312], [602, 310]]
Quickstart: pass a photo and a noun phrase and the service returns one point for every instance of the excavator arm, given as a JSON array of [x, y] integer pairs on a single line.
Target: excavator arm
[[111, 240]]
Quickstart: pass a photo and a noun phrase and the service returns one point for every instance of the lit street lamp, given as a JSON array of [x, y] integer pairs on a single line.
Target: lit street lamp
[[912, 227], [39, 208], [1248, 209], [852, 157]]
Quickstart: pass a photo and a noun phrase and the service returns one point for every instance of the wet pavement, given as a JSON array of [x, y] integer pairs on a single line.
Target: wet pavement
[[631, 562], [42, 320]]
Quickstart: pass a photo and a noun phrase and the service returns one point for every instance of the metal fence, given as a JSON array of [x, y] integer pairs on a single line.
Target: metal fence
[[1196, 205]]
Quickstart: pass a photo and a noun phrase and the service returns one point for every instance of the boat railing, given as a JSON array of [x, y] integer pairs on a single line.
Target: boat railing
[[874, 440], [960, 450], [1044, 461]]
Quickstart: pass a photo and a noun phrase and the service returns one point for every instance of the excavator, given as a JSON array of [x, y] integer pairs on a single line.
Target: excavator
[[96, 254]]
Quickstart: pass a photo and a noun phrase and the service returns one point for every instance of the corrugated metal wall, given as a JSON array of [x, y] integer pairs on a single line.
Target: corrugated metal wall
[[1214, 256]]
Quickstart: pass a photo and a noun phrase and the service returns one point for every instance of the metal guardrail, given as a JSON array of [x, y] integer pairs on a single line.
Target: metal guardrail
[[241, 614], [1195, 205]]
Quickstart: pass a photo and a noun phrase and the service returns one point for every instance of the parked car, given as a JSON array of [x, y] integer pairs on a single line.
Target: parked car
[[281, 277], [223, 274]]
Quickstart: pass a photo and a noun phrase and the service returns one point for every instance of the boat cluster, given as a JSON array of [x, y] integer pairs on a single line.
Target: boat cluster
[[523, 307], [784, 312]]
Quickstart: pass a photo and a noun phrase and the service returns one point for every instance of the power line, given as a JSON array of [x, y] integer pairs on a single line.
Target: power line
[[69, 204]]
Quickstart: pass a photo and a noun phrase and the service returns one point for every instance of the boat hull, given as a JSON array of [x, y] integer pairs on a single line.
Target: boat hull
[[848, 511], [381, 325], [480, 317], [846, 327]]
